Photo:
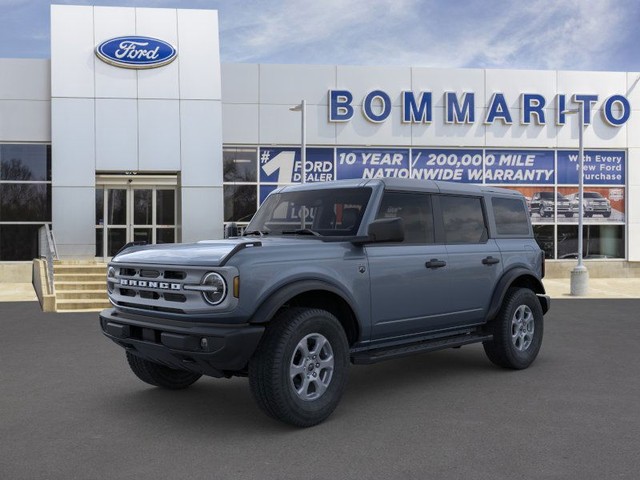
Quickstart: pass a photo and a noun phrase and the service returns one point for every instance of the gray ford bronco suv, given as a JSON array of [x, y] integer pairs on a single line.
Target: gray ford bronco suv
[[330, 274]]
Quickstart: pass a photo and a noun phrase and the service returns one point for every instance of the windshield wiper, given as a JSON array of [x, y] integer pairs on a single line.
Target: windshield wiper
[[255, 232], [301, 231]]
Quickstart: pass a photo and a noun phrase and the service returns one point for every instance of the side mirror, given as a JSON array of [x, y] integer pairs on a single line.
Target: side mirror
[[231, 230], [386, 230]]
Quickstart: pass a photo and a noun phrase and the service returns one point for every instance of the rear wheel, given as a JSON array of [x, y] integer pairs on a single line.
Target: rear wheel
[[517, 330], [299, 371], [159, 375]]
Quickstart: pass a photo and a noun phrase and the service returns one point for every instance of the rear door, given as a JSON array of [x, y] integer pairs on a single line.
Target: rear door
[[475, 262], [409, 291]]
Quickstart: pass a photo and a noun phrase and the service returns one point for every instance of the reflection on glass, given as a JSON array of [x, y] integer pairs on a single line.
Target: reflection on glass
[[239, 202], [25, 202], [143, 235], [18, 242], [599, 241], [165, 207], [545, 238], [25, 162], [100, 206], [142, 207], [99, 242], [165, 235], [117, 206], [239, 164], [116, 239]]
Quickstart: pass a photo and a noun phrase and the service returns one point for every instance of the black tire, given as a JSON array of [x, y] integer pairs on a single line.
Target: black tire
[[269, 368], [542, 214], [159, 375], [606, 214], [568, 215], [502, 350], [588, 215]]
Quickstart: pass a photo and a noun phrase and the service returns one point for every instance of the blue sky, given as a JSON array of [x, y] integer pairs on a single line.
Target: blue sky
[[532, 34]]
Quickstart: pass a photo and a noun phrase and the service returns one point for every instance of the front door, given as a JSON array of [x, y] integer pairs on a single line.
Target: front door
[[409, 280], [135, 211]]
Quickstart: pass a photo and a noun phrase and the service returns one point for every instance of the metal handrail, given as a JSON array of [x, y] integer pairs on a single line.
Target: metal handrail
[[49, 251]]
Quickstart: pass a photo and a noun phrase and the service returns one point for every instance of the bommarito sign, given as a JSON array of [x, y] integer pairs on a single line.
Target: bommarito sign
[[459, 108]]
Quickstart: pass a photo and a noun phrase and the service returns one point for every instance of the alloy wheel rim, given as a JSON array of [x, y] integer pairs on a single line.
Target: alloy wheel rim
[[311, 367], [522, 327]]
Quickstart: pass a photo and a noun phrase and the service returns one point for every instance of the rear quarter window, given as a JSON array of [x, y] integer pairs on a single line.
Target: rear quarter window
[[511, 216]]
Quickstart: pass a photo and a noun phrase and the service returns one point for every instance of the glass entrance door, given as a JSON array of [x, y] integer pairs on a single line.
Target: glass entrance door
[[128, 213]]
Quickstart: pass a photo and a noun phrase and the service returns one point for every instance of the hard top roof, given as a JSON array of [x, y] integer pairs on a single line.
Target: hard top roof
[[408, 185]]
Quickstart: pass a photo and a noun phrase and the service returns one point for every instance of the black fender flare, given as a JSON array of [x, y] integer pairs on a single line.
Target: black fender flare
[[279, 297], [507, 280]]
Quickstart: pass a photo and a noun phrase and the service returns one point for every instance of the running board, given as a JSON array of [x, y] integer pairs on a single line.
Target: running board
[[378, 355]]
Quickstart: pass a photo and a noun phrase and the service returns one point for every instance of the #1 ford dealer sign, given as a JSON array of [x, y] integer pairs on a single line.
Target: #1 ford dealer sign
[[136, 52]]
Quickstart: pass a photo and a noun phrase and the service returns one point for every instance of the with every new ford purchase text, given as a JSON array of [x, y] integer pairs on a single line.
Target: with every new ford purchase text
[[332, 274]]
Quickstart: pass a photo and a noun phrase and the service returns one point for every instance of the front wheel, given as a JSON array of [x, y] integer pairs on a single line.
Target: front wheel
[[299, 371], [159, 375], [541, 211], [517, 330]]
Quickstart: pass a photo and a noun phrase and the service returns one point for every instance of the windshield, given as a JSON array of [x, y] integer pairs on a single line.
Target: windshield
[[592, 195], [549, 196], [326, 212]]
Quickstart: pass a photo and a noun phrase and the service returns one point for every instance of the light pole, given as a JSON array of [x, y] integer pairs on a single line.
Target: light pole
[[302, 107], [580, 274]]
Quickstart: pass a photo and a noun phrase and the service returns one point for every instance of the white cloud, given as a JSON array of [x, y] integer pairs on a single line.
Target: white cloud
[[547, 34]]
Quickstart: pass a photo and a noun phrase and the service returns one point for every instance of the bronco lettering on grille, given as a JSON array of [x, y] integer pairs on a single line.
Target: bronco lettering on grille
[[149, 284]]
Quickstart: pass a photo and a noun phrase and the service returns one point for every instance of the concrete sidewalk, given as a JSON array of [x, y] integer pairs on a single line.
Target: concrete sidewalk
[[556, 288], [598, 288], [17, 292]]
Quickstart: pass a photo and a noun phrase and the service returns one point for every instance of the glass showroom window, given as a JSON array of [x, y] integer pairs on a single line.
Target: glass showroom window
[[240, 183], [25, 199]]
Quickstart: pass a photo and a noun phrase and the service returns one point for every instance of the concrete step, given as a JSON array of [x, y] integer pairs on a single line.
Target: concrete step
[[82, 294], [74, 305], [79, 269], [80, 277], [62, 286]]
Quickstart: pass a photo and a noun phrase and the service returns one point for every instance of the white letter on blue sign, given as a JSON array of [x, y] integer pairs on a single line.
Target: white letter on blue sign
[[456, 113], [498, 109], [586, 101], [385, 103], [625, 108], [412, 112], [340, 109], [532, 104]]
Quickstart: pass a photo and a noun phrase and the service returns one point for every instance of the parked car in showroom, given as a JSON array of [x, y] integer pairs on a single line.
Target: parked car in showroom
[[543, 203], [593, 204]]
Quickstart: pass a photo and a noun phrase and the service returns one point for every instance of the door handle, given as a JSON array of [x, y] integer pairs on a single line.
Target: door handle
[[490, 260], [435, 263]]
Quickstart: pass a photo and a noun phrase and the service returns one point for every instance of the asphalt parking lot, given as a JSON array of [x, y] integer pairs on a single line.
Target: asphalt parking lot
[[71, 409]]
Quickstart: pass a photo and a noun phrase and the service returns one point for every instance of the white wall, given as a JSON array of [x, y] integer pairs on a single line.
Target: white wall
[[25, 100], [109, 119]]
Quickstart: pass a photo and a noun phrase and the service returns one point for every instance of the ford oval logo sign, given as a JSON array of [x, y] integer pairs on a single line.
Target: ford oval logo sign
[[136, 52]]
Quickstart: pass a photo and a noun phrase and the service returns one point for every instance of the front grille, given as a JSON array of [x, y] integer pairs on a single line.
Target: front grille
[[161, 288], [157, 288]]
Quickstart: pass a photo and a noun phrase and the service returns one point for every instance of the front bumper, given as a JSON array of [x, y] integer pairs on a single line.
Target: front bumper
[[209, 349]]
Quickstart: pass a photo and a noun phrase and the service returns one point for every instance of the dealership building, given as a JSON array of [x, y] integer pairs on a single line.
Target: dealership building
[[134, 131]]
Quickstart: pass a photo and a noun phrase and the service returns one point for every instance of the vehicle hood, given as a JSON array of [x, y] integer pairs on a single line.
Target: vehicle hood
[[206, 253]]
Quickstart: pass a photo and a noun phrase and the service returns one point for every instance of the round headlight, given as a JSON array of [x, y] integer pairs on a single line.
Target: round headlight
[[111, 274], [216, 288]]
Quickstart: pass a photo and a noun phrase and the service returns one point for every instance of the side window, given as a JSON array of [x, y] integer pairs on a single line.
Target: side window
[[415, 211], [511, 216], [463, 219]]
